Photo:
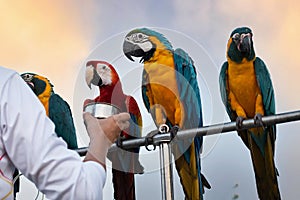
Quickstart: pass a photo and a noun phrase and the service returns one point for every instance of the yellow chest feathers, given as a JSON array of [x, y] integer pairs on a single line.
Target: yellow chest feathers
[[160, 68], [243, 84], [162, 78]]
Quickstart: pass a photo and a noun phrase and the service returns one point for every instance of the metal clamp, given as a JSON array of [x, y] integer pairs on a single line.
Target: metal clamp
[[158, 136]]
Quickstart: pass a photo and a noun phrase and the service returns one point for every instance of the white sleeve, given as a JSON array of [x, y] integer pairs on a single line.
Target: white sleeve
[[31, 144]]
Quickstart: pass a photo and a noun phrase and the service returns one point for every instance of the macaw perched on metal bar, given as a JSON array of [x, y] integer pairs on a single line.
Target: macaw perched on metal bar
[[124, 163], [171, 95], [247, 92], [56, 108]]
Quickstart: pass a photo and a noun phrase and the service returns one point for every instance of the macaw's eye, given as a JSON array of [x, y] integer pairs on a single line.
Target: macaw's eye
[[236, 36], [140, 36], [27, 77]]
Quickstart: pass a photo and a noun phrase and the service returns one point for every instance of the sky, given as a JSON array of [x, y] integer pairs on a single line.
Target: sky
[[55, 39]]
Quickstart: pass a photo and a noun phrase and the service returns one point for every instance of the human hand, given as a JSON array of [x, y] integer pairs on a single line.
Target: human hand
[[111, 126], [103, 132]]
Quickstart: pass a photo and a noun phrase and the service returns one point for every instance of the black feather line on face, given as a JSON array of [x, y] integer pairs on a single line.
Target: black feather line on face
[[240, 48], [237, 56], [134, 50], [39, 86], [96, 80], [147, 55]]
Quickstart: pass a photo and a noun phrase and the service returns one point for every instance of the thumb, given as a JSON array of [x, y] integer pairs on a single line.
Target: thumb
[[122, 120], [87, 115]]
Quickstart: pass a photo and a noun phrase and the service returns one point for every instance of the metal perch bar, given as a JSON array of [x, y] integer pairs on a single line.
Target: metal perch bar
[[204, 131]]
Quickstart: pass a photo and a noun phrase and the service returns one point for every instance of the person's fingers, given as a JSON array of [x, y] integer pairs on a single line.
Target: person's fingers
[[122, 120], [111, 126], [86, 117], [122, 116], [123, 125], [92, 124]]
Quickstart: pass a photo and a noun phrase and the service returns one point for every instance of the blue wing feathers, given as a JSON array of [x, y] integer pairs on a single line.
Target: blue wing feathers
[[188, 88], [267, 91], [224, 92], [265, 84], [145, 81], [190, 96], [60, 114]]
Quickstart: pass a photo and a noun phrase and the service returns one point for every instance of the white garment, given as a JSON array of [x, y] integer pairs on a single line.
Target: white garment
[[28, 142]]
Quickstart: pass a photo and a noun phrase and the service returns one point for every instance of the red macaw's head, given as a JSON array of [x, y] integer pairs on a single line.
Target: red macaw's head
[[103, 75], [100, 73]]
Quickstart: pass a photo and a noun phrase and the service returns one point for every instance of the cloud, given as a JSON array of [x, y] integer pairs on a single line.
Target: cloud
[[45, 38], [55, 38], [276, 29]]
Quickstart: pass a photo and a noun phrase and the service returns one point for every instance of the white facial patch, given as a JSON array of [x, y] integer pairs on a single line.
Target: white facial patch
[[146, 46], [105, 73], [137, 38], [245, 35], [141, 40]]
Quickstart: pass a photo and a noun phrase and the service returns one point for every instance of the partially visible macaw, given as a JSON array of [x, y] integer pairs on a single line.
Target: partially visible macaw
[[124, 163], [247, 92], [57, 110], [171, 95]]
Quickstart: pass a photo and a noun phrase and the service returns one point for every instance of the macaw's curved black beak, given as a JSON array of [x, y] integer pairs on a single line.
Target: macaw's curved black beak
[[31, 85], [245, 44], [92, 77], [96, 80], [130, 50]]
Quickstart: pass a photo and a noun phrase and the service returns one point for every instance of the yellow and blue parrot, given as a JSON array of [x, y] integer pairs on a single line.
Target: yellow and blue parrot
[[57, 109], [171, 95], [247, 92]]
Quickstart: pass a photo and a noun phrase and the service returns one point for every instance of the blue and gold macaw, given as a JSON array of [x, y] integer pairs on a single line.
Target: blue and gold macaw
[[172, 97], [56, 108], [247, 92]]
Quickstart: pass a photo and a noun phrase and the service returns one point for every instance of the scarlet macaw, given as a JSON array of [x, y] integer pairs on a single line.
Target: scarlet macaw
[[171, 95], [247, 92], [124, 163]]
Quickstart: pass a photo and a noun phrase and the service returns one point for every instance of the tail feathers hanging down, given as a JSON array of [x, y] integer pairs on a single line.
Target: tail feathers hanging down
[[192, 181], [125, 165], [264, 169], [189, 181], [124, 186], [205, 183]]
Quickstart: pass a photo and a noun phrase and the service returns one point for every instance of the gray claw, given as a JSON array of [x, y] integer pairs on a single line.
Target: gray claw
[[239, 122], [174, 131], [258, 120]]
